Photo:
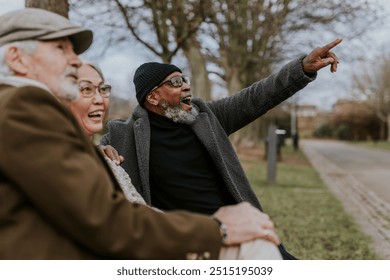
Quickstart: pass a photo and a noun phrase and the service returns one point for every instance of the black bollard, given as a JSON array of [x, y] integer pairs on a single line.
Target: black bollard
[[272, 156]]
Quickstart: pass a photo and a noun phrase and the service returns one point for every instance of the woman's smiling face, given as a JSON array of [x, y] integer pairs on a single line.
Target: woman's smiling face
[[90, 111]]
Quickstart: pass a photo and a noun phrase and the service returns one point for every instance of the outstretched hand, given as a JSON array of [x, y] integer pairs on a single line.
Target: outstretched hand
[[321, 57]]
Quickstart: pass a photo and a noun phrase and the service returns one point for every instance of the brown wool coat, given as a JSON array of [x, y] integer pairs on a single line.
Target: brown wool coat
[[58, 199]]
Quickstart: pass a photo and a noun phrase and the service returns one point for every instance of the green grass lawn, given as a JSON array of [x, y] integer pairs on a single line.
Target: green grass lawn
[[310, 221]]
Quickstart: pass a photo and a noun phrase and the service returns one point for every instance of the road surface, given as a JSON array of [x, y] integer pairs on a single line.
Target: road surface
[[360, 178]]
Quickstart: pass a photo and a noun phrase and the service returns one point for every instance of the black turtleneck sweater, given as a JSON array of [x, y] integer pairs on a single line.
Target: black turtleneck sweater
[[182, 173]]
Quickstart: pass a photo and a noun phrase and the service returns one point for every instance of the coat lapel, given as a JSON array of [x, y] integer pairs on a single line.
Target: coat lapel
[[142, 145], [204, 131]]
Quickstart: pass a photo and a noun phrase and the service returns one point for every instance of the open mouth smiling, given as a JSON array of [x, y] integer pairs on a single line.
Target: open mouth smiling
[[186, 100], [96, 114]]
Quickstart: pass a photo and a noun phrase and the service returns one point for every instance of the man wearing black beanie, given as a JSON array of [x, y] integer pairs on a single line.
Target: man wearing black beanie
[[176, 148]]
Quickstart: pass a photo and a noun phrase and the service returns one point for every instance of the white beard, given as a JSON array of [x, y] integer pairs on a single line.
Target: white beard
[[68, 90], [178, 115]]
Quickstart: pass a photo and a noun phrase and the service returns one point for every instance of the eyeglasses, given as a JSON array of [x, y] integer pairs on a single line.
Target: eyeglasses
[[176, 81], [88, 90]]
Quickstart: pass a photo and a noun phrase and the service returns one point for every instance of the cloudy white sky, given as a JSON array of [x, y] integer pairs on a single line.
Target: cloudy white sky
[[119, 67]]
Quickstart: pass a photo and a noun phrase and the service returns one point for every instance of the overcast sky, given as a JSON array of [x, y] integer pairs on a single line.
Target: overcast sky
[[119, 67]]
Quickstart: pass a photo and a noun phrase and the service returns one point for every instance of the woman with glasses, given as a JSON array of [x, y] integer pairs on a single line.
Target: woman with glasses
[[90, 110], [92, 105]]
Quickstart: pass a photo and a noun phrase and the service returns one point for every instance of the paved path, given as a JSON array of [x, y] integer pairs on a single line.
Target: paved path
[[360, 178]]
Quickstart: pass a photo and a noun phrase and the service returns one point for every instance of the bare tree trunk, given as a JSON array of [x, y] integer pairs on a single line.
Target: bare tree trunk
[[249, 135], [234, 85], [200, 83], [382, 133], [388, 127], [233, 82], [60, 7]]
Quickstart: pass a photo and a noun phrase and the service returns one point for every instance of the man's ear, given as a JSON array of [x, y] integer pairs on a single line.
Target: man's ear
[[16, 60], [153, 98]]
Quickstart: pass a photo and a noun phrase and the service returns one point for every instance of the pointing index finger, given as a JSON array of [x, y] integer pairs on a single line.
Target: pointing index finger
[[331, 45]]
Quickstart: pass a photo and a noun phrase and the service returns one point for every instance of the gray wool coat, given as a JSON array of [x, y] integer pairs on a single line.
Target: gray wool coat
[[215, 122]]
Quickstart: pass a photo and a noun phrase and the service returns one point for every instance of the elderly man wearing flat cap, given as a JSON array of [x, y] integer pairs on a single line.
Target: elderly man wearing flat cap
[[58, 198]]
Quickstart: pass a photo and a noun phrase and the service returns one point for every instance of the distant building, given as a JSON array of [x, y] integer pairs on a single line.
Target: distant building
[[309, 118]]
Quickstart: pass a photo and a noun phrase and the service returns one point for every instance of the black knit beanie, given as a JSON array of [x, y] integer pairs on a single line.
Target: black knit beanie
[[149, 75]]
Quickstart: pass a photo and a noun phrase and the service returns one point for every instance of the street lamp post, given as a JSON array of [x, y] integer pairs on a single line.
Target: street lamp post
[[294, 121]]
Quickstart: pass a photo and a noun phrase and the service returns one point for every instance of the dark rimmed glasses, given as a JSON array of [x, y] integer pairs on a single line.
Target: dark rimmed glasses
[[88, 90], [176, 81]]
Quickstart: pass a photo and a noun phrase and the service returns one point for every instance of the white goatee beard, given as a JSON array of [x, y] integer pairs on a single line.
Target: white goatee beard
[[178, 115], [68, 90]]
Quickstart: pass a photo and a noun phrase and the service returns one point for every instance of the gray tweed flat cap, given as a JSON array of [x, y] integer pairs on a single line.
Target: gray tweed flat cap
[[42, 25]]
